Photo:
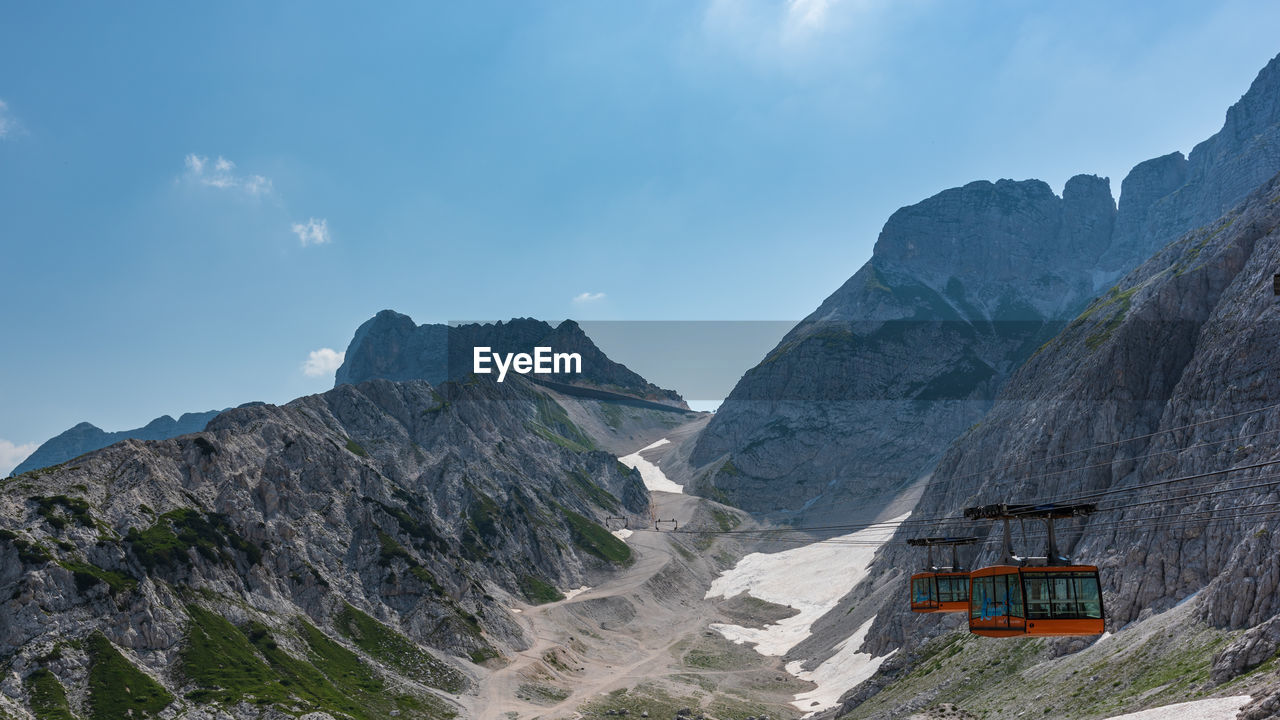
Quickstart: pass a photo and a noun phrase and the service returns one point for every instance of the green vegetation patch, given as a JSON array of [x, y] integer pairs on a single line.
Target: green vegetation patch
[[552, 423], [221, 661], [538, 591], [88, 575], [355, 448], [724, 520], [1116, 304], [232, 665], [117, 689], [596, 540], [29, 553], [394, 649], [592, 492], [48, 697], [60, 510], [167, 543]]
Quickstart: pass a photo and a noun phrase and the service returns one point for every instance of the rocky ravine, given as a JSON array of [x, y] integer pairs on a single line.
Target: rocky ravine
[[352, 552]]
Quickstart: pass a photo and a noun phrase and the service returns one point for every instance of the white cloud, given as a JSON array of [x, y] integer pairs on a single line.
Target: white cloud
[[8, 124], [313, 232], [223, 176], [588, 297], [324, 361], [11, 455], [810, 14]]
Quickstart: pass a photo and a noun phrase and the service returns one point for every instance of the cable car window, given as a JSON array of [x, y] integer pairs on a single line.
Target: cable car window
[[981, 605], [953, 589], [1088, 596], [1015, 595], [922, 590], [1062, 595]]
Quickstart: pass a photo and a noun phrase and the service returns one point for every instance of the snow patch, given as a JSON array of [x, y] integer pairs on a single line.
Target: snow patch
[[1211, 709], [653, 477], [842, 671], [811, 578], [622, 534], [571, 594]]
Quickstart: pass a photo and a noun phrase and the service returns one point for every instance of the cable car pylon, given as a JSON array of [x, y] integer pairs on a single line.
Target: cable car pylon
[[941, 589], [1040, 596]]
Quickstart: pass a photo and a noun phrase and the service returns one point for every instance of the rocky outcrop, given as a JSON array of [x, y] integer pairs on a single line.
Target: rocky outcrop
[[390, 345], [864, 394], [861, 396], [86, 437], [1159, 404], [376, 531]]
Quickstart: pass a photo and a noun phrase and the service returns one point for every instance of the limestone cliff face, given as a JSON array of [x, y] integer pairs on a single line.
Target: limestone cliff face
[[1180, 357], [376, 531], [864, 394], [858, 398], [390, 345]]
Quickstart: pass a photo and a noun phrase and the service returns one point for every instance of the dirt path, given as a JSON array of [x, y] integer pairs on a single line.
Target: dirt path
[[587, 661]]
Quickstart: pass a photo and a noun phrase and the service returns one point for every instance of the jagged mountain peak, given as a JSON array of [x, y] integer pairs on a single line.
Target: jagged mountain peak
[[391, 346]]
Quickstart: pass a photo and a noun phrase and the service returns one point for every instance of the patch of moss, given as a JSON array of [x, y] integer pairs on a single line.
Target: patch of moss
[[595, 540], [355, 448], [612, 414], [88, 575], [167, 543], [394, 649], [551, 422], [29, 553], [221, 661], [47, 696], [537, 591], [389, 549], [60, 510], [725, 521], [117, 689], [592, 492]]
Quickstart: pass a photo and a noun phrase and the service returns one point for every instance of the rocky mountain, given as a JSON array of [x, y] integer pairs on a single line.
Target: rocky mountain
[[352, 553], [86, 437], [390, 345], [1159, 403], [862, 397]]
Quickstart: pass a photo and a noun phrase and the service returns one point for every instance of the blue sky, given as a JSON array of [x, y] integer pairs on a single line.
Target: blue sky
[[196, 198]]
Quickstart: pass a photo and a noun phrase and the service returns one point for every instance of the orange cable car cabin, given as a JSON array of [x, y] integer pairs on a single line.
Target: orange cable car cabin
[[944, 589], [1050, 598]]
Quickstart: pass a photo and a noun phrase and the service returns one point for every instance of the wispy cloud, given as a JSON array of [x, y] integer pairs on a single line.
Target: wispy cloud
[[8, 123], [221, 173], [588, 297], [772, 32], [11, 455], [324, 361], [312, 232]]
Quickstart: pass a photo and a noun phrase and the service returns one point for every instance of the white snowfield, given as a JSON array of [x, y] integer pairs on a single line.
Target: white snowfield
[[1211, 709], [569, 594], [844, 670], [811, 578], [622, 534], [654, 478]]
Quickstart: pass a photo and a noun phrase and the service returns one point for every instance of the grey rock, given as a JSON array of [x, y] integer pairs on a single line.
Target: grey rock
[[86, 437], [391, 346], [425, 507]]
